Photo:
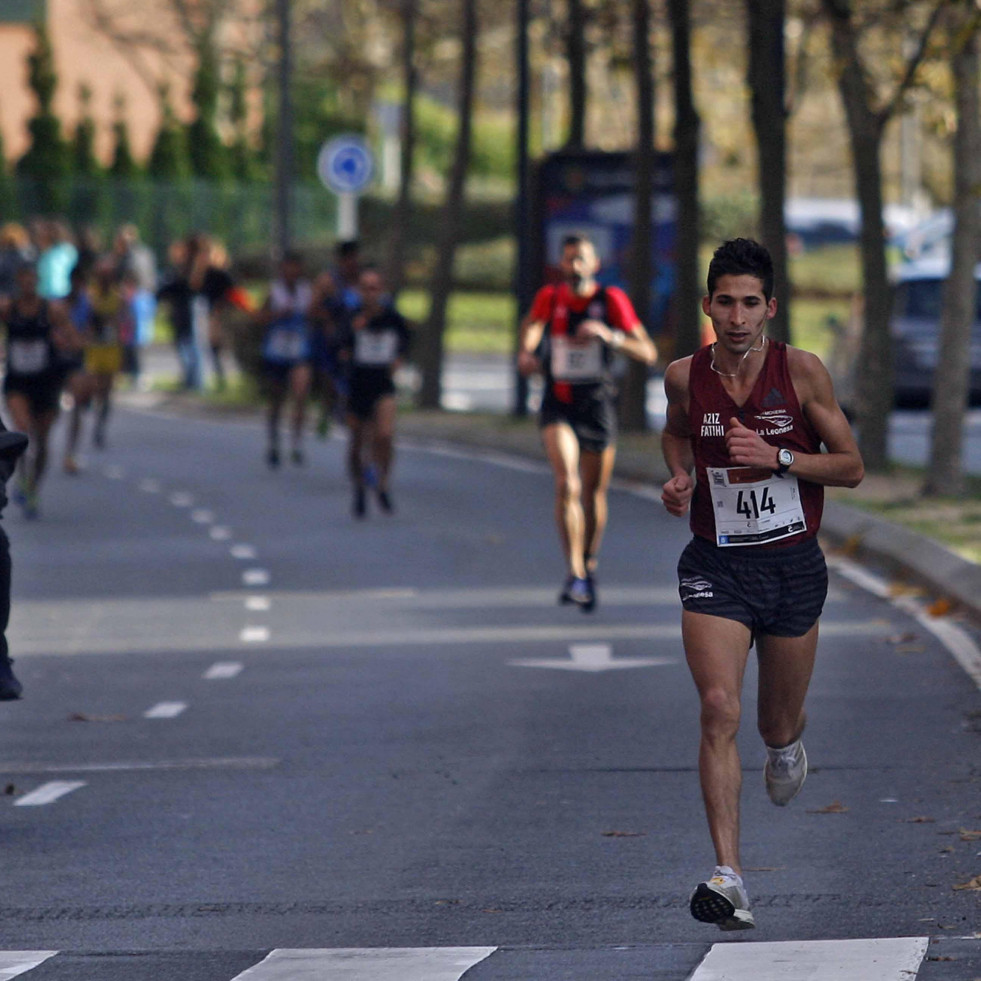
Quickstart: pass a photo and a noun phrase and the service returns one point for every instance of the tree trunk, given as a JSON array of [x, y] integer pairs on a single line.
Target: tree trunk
[[767, 82], [431, 347], [403, 207], [945, 476], [875, 370], [575, 47], [687, 125], [633, 395]]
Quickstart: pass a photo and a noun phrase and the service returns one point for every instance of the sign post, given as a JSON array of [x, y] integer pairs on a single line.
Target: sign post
[[346, 166]]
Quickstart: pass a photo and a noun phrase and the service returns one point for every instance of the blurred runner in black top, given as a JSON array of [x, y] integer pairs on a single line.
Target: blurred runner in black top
[[12, 446], [376, 341], [37, 330]]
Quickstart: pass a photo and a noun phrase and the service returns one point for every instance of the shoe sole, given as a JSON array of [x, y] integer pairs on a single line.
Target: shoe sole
[[708, 906], [800, 786]]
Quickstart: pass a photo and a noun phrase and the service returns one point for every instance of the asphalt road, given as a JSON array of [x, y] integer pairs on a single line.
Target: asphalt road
[[253, 724]]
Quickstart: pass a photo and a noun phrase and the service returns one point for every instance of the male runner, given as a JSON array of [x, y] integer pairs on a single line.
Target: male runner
[[570, 336], [749, 417], [374, 343]]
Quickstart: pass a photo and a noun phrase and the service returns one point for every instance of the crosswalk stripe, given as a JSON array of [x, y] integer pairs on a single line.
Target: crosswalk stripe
[[48, 793], [15, 962], [885, 959], [361, 964]]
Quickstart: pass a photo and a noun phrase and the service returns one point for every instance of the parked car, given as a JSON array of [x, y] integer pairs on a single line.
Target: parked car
[[917, 291]]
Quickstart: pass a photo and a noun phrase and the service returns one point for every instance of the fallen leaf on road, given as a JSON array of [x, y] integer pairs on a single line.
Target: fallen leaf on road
[[970, 835], [902, 638], [921, 820], [940, 607], [9, 790], [836, 807], [624, 834], [972, 885], [87, 717], [766, 868]]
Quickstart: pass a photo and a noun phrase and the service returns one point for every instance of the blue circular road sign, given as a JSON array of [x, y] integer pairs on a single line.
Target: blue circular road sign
[[345, 164]]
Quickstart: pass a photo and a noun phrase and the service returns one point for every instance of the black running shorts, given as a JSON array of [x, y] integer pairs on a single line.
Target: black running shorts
[[593, 419], [42, 391], [775, 591]]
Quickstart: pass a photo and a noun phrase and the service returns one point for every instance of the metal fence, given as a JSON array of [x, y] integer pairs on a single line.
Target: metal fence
[[240, 215]]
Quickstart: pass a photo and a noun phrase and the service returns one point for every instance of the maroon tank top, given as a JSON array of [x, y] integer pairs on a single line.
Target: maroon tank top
[[772, 409]]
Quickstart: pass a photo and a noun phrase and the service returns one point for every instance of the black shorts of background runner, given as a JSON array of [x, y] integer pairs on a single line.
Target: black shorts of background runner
[[775, 591], [42, 392], [365, 394], [593, 419]]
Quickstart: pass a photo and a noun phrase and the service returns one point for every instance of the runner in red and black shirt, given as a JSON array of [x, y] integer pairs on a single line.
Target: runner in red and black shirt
[[748, 417], [571, 335]]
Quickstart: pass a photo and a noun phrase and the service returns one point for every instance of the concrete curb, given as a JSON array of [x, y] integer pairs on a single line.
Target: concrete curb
[[945, 572]]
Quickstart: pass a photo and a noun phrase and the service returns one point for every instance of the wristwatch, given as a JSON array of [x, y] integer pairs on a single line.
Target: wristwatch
[[785, 460]]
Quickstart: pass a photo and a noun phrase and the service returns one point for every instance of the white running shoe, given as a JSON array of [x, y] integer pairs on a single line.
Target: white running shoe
[[784, 772], [722, 900]]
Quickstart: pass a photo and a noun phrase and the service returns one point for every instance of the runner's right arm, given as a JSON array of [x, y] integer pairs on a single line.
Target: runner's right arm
[[532, 330], [677, 493]]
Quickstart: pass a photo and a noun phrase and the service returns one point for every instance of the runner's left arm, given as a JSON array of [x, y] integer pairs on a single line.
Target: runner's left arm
[[841, 465], [627, 333]]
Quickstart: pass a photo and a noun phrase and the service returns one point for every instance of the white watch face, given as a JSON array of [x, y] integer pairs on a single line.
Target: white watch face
[[785, 458]]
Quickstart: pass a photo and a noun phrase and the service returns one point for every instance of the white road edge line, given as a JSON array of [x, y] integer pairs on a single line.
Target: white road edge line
[[953, 637], [368, 964], [165, 710], [16, 962], [883, 959], [48, 793], [222, 671]]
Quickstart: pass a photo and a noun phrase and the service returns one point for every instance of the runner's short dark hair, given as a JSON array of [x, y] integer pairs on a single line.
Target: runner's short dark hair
[[741, 257], [576, 238], [347, 248]]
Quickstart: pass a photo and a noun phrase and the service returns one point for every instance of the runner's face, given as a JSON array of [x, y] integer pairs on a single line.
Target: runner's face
[[739, 312], [579, 264]]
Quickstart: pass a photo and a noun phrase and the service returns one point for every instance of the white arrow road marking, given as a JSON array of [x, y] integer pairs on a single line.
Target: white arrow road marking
[[48, 793], [592, 658], [202, 516], [254, 635], [165, 710], [258, 604], [368, 964], [220, 533], [181, 499], [14, 962], [243, 551], [886, 959], [222, 671], [255, 577]]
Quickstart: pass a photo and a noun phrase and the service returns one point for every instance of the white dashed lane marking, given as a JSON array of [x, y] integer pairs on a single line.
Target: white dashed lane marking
[[202, 516], [254, 635], [150, 486], [243, 551], [220, 533], [222, 671], [256, 577], [165, 710], [181, 499], [48, 793]]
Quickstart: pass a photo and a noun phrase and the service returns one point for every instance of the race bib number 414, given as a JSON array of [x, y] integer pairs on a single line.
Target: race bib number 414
[[754, 507]]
